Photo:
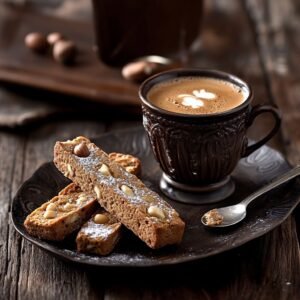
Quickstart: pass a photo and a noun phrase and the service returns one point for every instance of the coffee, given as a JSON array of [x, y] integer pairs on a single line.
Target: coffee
[[196, 95]]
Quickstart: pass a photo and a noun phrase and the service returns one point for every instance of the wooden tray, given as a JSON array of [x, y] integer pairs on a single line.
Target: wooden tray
[[199, 242], [89, 78]]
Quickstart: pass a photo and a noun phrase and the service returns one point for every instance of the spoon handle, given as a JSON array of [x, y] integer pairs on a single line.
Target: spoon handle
[[278, 181]]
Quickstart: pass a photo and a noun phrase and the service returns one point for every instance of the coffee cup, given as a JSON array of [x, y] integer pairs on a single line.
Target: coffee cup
[[197, 122]]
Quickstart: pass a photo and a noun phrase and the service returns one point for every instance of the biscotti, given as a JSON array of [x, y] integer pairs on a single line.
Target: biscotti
[[122, 194], [56, 219], [62, 215], [99, 235]]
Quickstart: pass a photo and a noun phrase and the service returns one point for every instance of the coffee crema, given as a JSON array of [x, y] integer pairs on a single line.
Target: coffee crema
[[196, 95]]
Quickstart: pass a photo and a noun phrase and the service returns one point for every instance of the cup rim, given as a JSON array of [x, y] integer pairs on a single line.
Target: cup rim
[[211, 73]]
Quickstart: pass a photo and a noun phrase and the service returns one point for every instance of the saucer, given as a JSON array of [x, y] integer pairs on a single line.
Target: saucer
[[197, 195], [263, 215]]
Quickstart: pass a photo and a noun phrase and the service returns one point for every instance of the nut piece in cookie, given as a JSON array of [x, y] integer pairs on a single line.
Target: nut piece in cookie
[[81, 150]]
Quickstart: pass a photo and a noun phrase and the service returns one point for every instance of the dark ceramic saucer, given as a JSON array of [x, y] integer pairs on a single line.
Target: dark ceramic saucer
[[199, 242], [200, 195]]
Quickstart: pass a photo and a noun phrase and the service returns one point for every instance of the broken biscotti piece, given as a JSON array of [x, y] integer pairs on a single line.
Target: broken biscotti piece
[[100, 234], [62, 215], [122, 194]]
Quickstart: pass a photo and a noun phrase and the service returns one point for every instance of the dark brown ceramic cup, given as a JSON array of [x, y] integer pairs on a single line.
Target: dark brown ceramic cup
[[197, 153]]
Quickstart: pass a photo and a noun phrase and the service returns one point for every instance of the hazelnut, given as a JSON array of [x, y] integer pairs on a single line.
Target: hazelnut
[[155, 211], [138, 70], [51, 206], [127, 190], [54, 37], [50, 214], [36, 41], [81, 150], [100, 219], [97, 191], [64, 51], [104, 169]]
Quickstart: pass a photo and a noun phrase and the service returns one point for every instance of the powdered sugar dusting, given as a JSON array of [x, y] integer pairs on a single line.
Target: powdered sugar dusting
[[93, 163], [94, 230]]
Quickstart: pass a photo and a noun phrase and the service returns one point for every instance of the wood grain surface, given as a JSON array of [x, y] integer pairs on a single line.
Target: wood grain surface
[[244, 37]]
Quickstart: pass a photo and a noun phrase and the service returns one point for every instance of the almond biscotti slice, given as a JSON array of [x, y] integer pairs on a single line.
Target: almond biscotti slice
[[51, 221], [100, 234], [62, 215], [122, 194]]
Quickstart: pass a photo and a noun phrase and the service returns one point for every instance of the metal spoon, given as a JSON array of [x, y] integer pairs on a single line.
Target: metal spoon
[[235, 213]]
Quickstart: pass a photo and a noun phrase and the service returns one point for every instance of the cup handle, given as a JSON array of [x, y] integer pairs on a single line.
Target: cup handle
[[256, 111]]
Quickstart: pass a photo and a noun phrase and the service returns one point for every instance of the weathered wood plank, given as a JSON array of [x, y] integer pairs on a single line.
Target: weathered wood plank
[[11, 149], [277, 28]]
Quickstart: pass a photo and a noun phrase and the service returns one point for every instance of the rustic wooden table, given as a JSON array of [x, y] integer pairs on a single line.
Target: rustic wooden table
[[255, 39]]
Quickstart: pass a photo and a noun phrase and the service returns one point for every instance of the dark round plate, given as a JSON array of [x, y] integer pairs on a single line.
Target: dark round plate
[[199, 242]]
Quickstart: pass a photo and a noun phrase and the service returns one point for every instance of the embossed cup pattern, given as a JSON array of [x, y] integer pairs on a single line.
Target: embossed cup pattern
[[204, 149], [193, 154]]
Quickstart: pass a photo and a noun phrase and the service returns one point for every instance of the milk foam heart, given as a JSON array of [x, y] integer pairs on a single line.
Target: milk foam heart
[[197, 95]]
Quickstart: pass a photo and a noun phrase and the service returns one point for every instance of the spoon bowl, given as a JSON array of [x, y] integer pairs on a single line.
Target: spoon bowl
[[231, 215]]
